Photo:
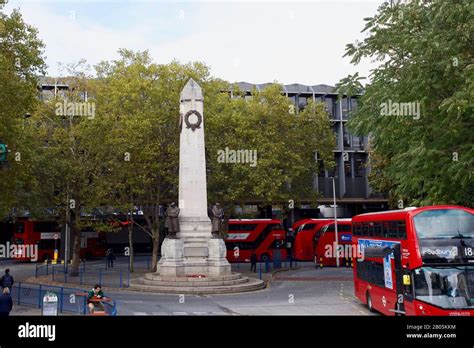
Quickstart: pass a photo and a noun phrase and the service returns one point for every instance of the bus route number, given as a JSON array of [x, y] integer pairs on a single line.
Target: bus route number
[[469, 252]]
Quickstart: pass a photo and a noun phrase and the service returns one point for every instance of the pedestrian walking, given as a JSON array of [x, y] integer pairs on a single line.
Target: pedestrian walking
[[253, 262], [6, 303], [7, 280], [110, 258]]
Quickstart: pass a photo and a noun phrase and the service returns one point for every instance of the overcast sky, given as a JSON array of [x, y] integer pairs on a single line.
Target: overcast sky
[[288, 42]]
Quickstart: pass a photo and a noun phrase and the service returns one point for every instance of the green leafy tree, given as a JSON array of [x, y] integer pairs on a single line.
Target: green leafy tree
[[139, 102], [283, 143], [68, 155], [21, 60], [426, 59]]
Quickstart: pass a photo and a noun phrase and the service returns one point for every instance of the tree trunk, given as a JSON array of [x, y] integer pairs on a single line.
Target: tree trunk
[[152, 217], [156, 243], [76, 250]]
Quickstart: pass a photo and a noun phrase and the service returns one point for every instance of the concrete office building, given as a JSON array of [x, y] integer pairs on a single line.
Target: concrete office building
[[353, 192]]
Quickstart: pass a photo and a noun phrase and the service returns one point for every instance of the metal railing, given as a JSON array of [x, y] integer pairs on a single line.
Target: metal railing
[[267, 266], [110, 277], [46, 268], [96, 271], [140, 262], [69, 299]]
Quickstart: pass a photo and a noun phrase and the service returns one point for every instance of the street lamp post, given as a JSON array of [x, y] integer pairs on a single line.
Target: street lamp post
[[335, 220], [66, 244]]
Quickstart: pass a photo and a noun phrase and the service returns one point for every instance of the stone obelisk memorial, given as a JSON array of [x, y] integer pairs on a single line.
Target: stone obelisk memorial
[[194, 252], [194, 261]]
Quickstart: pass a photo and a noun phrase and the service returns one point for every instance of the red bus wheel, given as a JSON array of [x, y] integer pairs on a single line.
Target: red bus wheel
[[265, 257], [369, 303]]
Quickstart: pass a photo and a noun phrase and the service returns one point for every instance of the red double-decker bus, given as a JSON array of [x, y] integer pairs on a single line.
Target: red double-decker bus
[[324, 243], [305, 229], [46, 235], [416, 261], [264, 236]]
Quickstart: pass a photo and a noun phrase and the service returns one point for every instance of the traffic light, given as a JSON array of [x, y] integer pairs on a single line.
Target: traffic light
[[3, 152]]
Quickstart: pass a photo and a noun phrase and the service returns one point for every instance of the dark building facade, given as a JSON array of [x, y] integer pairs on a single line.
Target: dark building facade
[[353, 192], [49, 87]]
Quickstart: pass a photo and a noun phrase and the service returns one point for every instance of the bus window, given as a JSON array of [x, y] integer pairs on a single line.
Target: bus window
[[46, 227], [46, 244], [402, 233], [20, 227], [393, 229]]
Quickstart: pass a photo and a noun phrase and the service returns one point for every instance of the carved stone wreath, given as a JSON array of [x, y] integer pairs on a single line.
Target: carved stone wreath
[[193, 126]]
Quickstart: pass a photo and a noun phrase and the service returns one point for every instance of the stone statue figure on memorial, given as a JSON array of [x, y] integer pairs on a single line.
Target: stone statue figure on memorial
[[171, 220], [217, 216]]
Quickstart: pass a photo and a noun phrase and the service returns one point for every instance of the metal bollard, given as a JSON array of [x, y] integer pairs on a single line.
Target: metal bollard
[[19, 292], [61, 300], [39, 296]]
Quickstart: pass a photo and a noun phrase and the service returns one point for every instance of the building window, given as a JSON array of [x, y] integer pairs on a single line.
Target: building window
[[345, 108], [302, 102], [356, 142], [329, 106], [348, 168], [347, 142], [358, 166], [336, 108], [353, 106]]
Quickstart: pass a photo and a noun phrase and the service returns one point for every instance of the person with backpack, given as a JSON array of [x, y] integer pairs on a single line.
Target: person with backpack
[[7, 280]]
